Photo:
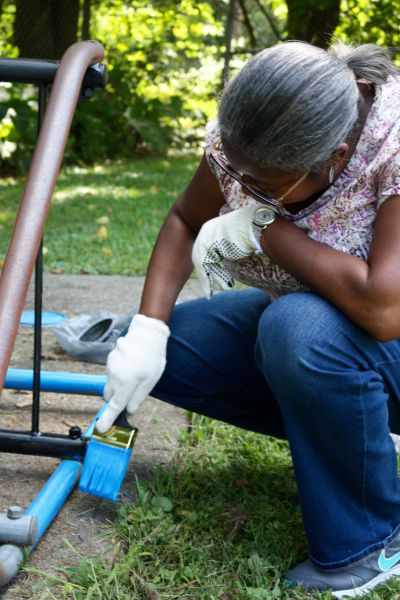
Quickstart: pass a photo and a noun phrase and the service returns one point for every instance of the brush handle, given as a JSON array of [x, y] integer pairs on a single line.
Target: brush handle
[[122, 421]]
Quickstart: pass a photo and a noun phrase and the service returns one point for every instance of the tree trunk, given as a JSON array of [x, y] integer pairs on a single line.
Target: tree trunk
[[248, 24], [85, 31], [269, 19], [230, 22], [45, 28], [313, 21]]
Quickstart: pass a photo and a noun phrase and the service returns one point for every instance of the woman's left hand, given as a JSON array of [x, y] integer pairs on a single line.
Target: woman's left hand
[[227, 237]]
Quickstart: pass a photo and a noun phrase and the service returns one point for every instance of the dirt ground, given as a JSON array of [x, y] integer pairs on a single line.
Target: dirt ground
[[82, 518]]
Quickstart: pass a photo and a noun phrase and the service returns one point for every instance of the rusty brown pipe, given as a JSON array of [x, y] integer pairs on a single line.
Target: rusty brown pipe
[[43, 172]]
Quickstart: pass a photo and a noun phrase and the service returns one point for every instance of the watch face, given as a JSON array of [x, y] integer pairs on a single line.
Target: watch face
[[263, 216]]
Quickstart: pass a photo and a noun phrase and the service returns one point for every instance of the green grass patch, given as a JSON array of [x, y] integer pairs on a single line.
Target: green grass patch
[[221, 524], [103, 219]]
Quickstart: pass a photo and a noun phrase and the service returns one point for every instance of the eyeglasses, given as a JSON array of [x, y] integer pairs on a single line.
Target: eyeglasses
[[254, 190]]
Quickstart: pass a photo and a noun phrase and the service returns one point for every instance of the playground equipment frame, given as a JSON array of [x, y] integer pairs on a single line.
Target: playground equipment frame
[[78, 73]]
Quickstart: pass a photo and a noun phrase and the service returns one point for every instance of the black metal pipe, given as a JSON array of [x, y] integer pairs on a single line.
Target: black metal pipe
[[43, 72], [37, 340], [52, 445]]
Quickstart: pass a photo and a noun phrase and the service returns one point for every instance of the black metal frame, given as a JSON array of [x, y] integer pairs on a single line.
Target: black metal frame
[[42, 73], [49, 444]]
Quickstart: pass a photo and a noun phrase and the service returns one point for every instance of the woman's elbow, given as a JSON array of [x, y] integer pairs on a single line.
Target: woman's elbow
[[382, 324]]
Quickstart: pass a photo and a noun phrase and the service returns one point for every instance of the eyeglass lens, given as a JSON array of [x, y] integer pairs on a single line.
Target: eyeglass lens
[[254, 190]]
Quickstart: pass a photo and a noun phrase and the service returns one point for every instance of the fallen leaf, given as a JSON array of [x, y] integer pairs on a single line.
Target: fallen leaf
[[103, 220], [102, 232]]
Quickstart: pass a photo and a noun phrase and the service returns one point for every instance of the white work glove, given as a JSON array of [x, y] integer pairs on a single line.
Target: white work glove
[[228, 237], [134, 367]]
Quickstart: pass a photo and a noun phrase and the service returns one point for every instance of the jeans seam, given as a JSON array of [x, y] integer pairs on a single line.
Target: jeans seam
[[364, 500]]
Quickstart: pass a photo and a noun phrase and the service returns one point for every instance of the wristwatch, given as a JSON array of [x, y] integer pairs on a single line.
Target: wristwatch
[[262, 218]]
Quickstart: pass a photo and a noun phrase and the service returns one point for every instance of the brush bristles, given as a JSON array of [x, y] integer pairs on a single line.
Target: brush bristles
[[104, 469]]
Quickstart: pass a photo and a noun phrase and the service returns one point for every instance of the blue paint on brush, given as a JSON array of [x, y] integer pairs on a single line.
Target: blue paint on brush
[[107, 458], [104, 470]]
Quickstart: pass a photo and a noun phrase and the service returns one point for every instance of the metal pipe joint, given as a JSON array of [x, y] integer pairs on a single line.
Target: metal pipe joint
[[17, 528]]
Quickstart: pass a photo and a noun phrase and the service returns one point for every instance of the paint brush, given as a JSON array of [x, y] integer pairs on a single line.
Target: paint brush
[[107, 458]]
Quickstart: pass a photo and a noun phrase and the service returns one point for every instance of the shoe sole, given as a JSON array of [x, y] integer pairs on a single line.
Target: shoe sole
[[367, 587]]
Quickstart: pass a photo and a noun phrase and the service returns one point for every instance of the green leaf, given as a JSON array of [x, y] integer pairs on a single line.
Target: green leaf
[[161, 503], [258, 593]]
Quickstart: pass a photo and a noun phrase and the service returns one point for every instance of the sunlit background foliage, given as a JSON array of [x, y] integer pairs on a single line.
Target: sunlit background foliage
[[166, 63]]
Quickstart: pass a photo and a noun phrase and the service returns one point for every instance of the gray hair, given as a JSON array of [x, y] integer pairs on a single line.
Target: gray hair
[[292, 105]]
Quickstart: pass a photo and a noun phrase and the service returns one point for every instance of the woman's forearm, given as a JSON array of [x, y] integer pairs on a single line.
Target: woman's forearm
[[345, 280], [171, 260], [169, 268]]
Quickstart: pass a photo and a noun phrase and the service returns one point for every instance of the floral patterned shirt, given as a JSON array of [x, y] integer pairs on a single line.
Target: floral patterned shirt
[[343, 216]]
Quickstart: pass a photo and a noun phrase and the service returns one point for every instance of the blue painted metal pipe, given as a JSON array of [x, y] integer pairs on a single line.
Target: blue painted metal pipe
[[54, 494], [45, 507], [59, 486], [56, 490], [68, 383]]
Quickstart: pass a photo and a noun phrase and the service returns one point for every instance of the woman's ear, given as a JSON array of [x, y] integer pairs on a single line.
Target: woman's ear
[[336, 163], [339, 155]]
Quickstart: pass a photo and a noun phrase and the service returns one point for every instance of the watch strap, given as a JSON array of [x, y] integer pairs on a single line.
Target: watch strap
[[256, 233]]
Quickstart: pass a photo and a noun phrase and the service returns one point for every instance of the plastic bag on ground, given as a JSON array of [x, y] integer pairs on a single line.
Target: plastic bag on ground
[[91, 337]]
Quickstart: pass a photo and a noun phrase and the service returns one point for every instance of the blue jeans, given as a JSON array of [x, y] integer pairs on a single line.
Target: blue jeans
[[298, 368]]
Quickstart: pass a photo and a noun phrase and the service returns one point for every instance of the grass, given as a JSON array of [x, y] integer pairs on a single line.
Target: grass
[[221, 524], [104, 219]]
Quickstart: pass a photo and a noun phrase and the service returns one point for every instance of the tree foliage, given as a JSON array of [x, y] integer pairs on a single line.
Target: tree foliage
[[374, 21], [162, 66], [165, 61]]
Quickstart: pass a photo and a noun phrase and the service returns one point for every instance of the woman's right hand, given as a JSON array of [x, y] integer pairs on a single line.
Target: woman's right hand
[[134, 367]]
